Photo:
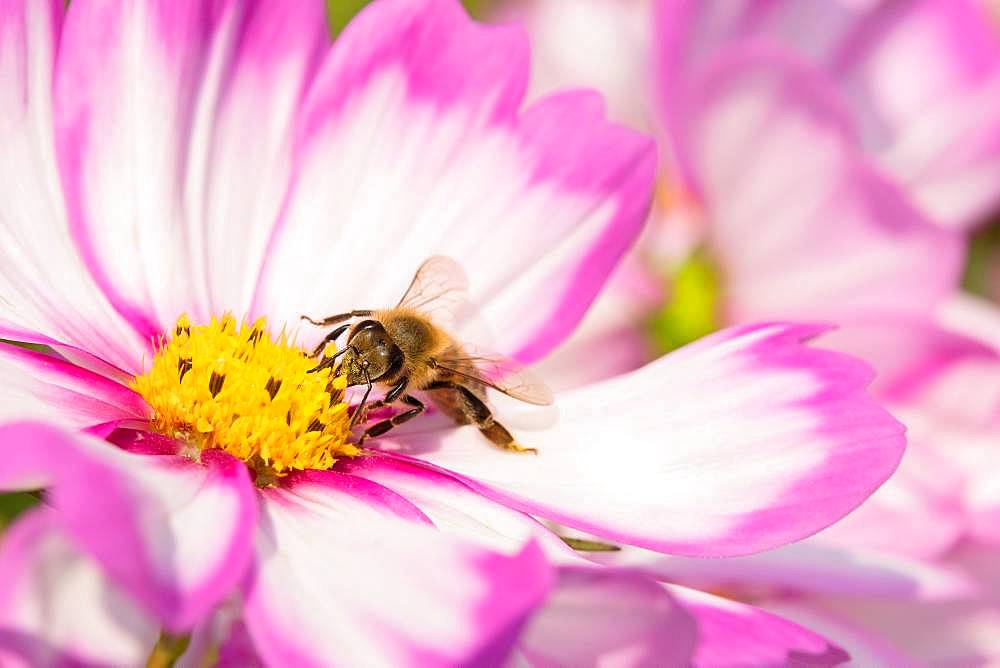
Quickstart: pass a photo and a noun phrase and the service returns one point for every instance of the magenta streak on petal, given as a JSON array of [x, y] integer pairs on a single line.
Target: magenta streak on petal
[[132, 438], [106, 396], [98, 29], [77, 356], [71, 142], [362, 489], [573, 124], [274, 30]]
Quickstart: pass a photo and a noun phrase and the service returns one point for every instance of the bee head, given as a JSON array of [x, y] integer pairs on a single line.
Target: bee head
[[371, 354]]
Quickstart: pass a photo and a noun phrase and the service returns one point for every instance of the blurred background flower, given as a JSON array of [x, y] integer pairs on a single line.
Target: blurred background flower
[[838, 160]]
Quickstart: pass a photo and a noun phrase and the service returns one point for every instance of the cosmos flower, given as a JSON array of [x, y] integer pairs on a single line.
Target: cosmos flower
[[169, 164]]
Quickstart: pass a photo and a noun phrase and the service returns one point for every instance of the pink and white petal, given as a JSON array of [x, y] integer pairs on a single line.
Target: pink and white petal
[[174, 124], [264, 60], [735, 634], [938, 134], [607, 618], [804, 234], [410, 144], [58, 608], [745, 440], [349, 573], [807, 567], [457, 509], [45, 285], [43, 386], [175, 535]]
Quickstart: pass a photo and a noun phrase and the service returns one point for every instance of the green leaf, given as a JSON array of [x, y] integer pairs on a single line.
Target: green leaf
[[13, 504], [340, 12], [983, 263]]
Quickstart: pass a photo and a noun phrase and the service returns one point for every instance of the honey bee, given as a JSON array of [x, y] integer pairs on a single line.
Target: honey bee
[[406, 349]]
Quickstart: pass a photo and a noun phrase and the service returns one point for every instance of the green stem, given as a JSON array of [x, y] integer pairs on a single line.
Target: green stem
[[167, 650]]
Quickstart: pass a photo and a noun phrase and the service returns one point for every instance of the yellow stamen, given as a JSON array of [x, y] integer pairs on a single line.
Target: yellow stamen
[[234, 388]]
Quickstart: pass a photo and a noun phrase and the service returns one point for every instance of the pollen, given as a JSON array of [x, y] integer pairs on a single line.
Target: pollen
[[236, 388]]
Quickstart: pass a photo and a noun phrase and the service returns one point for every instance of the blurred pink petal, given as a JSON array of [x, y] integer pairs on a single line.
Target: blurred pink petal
[[810, 445], [946, 388], [607, 619], [46, 583], [345, 577], [936, 134], [808, 567], [733, 634], [865, 646], [815, 233]]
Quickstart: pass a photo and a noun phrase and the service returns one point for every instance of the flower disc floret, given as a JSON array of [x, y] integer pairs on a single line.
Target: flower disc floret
[[234, 388]]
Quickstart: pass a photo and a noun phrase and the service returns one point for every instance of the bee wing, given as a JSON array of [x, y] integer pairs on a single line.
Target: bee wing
[[500, 373], [439, 290]]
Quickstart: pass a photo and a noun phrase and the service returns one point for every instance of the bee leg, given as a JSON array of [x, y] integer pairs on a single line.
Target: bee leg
[[340, 317], [394, 392], [332, 336], [380, 428], [479, 414]]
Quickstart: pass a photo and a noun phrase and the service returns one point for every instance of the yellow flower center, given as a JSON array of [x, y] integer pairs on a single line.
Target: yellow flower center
[[236, 389]]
